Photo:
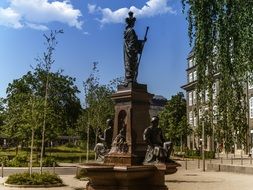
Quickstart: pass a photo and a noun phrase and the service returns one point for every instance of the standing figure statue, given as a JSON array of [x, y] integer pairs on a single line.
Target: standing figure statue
[[132, 48], [158, 150], [103, 148]]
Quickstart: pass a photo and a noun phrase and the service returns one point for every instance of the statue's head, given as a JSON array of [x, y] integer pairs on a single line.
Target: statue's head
[[154, 121], [131, 19], [109, 122]]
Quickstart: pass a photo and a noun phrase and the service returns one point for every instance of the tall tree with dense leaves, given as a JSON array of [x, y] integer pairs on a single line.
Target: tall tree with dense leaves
[[173, 119], [61, 107], [222, 36]]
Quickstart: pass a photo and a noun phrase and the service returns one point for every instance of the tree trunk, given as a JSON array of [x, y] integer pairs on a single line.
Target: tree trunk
[[31, 155], [44, 125]]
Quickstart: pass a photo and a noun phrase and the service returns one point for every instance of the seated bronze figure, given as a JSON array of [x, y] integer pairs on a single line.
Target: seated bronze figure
[[101, 149], [158, 150]]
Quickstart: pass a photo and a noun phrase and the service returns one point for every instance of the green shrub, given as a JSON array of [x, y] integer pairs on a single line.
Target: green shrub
[[18, 161], [209, 154], [4, 160], [192, 153], [45, 178], [49, 162], [70, 145], [197, 154]]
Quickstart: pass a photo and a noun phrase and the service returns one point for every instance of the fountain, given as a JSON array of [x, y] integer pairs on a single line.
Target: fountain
[[133, 161]]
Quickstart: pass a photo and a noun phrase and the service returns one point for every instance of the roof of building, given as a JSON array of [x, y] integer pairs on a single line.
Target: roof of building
[[158, 100]]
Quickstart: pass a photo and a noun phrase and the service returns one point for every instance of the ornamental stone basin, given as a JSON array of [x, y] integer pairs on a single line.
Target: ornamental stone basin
[[106, 177]]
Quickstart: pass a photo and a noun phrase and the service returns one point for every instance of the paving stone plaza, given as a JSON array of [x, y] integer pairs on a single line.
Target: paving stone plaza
[[191, 179]]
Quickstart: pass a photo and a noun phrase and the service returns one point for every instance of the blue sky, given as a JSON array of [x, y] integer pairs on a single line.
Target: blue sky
[[93, 31]]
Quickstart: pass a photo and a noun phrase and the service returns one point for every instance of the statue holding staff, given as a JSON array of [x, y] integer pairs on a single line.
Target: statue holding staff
[[132, 48]]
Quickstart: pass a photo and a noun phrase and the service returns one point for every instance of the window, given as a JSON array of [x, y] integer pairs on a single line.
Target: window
[[194, 97], [190, 63], [195, 120], [190, 98], [206, 95], [190, 118], [206, 71], [195, 77], [190, 77], [200, 113], [214, 91], [215, 110], [202, 97], [250, 84], [251, 107]]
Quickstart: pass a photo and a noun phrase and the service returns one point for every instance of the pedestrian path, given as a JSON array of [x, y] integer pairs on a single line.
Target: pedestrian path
[[196, 179]]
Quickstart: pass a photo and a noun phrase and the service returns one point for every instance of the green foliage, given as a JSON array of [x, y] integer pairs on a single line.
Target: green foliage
[[221, 32], [197, 154], [4, 160], [63, 106], [98, 105], [18, 161], [45, 178], [192, 153], [2, 112], [72, 158], [173, 119], [49, 162]]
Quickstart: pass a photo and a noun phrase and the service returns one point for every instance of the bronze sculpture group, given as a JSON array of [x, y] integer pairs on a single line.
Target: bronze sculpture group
[[157, 149], [133, 151]]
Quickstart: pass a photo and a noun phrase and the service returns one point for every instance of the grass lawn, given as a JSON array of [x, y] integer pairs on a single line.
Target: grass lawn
[[59, 154]]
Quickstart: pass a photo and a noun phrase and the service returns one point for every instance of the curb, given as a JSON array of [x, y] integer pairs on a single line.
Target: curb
[[33, 186], [230, 168]]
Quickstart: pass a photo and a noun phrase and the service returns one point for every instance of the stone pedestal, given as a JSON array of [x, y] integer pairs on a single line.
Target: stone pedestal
[[123, 168], [148, 177], [131, 105]]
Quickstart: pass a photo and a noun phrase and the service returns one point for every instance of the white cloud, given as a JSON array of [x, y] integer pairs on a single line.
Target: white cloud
[[91, 8], [37, 26], [40, 12], [86, 33], [10, 18], [151, 8]]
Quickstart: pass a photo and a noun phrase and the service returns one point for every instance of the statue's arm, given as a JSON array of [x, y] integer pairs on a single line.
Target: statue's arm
[[102, 138], [147, 137]]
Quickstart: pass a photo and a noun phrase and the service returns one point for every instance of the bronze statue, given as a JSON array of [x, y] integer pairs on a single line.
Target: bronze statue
[[132, 48], [103, 148], [158, 150], [119, 144]]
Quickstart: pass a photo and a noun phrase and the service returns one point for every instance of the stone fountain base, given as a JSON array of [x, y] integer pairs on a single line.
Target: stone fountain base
[[147, 177]]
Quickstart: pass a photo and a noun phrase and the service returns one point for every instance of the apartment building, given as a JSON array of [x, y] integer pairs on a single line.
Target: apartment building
[[195, 113]]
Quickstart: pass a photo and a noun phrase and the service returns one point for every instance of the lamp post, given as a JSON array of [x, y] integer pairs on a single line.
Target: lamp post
[[203, 145]]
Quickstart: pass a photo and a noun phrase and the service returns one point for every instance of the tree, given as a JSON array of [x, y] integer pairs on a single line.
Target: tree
[[221, 32], [173, 119], [33, 120], [2, 112], [98, 105], [26, 117]]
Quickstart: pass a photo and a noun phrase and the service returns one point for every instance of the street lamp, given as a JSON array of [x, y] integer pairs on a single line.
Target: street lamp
[[203, 145]]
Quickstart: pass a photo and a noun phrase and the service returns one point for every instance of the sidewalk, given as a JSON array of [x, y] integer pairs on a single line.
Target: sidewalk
[[195, 179], [190, 179]]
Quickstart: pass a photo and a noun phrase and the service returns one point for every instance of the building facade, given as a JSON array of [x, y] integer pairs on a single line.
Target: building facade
[[195, 112]]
